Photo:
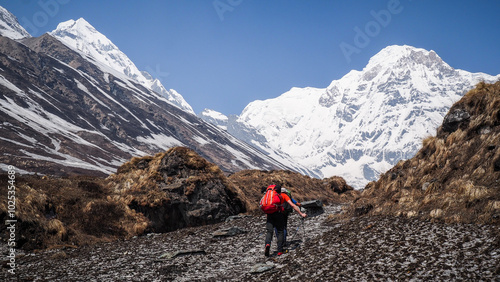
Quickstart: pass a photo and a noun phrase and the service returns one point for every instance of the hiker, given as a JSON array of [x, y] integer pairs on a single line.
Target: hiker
[[272, 204], [287, 210]]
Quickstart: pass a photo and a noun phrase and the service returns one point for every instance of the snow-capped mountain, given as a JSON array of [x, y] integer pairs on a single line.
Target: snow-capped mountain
[[364, 123], [84, 38], [215, 118], [64, 112], [10, 27], [249, 135]]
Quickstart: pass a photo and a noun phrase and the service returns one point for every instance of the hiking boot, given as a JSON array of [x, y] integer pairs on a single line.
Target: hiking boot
[[282, 252], [266, 251]]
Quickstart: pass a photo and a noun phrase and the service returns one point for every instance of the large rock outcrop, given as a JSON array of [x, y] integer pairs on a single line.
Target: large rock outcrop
[[176, 189]]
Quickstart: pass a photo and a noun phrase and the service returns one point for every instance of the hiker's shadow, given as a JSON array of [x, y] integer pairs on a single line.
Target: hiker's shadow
[[293, 244]]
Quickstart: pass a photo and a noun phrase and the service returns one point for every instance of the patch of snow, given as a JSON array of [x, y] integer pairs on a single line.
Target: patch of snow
[[161, 141]]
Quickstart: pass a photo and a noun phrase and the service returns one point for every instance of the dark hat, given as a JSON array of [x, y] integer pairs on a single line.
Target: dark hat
[[277, 188]]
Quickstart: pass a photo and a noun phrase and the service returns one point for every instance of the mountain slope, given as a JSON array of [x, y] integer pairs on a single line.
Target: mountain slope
[[85, 39], [365, 122], [61, 114], [10, 27]]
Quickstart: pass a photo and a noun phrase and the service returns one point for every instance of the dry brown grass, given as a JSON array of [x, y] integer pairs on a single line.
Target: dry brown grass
[[69, 211]]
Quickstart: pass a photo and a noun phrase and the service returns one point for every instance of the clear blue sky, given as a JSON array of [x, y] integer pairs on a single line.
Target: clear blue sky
[[224, 54]]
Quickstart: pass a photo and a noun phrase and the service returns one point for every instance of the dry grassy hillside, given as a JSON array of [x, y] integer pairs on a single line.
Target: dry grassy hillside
[[171, 190], [455, 177]]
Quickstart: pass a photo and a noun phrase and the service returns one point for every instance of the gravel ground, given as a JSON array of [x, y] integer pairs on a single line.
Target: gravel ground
[[360, 249]]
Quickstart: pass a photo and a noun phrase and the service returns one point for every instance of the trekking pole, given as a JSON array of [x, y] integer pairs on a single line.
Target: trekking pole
[[303, 228], [295, 233], [303, 231]]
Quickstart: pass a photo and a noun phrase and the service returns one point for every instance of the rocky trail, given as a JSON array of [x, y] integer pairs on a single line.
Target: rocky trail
[[322, 249]]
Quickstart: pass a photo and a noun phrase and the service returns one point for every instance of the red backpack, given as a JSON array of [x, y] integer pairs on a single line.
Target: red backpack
[[271, 201]]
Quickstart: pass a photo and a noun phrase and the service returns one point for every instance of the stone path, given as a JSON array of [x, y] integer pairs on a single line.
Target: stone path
[[355, 250]]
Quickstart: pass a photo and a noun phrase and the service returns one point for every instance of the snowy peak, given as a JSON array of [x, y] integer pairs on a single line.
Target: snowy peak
[[10, 27], [80, 27], [405, 54], [407, 57], [97, 119], [393, 69], [81, 36], [404, 61]]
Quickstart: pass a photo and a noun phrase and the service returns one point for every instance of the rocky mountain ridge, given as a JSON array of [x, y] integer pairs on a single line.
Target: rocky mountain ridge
[[91, 109], [63, 115], [10, 27]]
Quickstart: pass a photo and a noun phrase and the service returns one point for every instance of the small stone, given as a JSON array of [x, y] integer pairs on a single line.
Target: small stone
[[261, 267], [233, 231], [169, 256], [234, 217], [436, 213], [425, 186]]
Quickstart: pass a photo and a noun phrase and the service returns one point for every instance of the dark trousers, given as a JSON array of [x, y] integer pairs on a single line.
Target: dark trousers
[[275, 220], [285, 230]]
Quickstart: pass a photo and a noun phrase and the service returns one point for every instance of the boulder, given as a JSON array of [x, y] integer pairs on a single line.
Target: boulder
[[235, 217], [314, 204], [313, 208], [454, 119]]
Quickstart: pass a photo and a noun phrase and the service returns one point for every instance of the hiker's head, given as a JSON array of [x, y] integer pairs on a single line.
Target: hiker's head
[[277, 188]]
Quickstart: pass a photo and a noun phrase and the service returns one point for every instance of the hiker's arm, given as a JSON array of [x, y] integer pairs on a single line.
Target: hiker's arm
[[296, 208]]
